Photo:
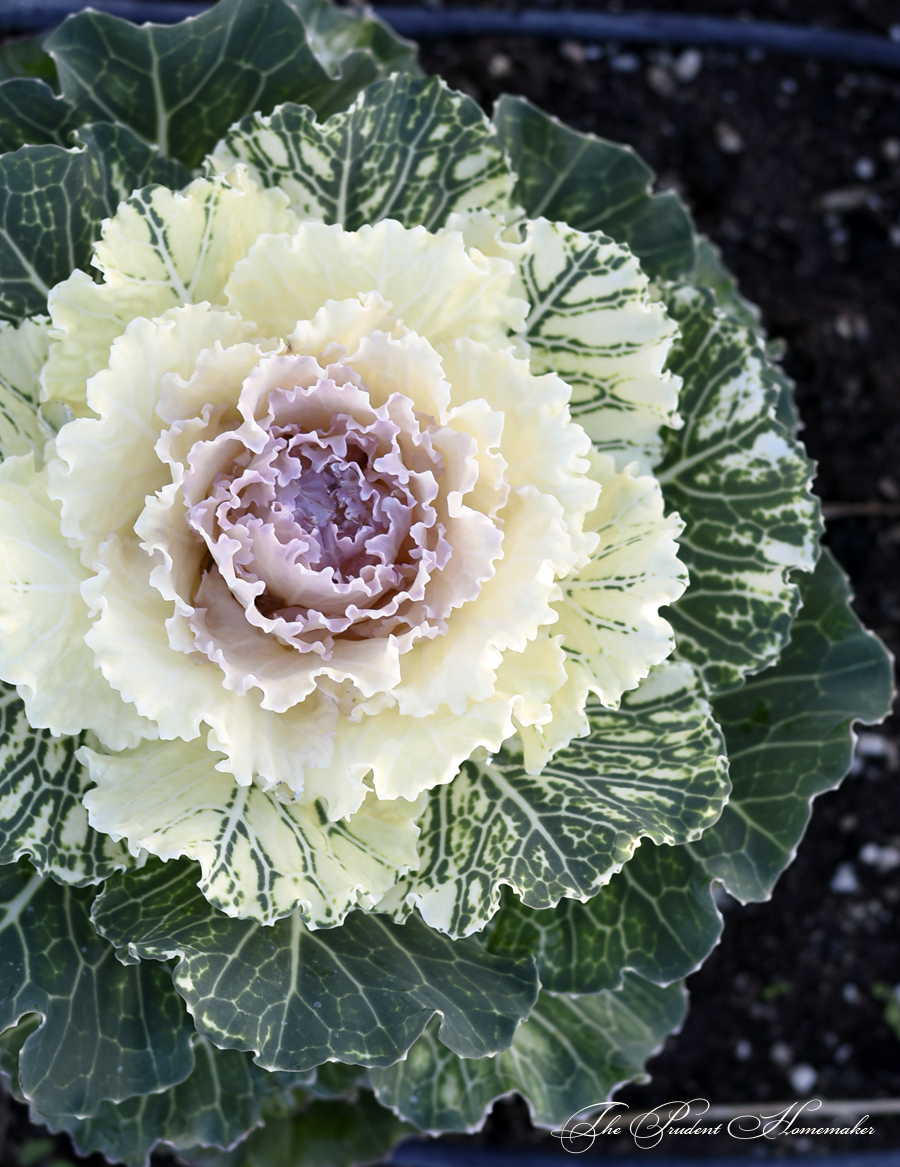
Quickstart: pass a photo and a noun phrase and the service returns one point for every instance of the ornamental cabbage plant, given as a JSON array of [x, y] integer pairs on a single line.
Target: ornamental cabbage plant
[[410, 592]]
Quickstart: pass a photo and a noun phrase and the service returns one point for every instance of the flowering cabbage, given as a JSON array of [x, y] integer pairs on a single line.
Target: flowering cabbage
[[350, 492], [318, 525]]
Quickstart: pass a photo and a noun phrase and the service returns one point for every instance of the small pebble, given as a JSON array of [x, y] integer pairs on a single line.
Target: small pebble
[[573, 51], [803, 1077], [788, 85], [851, 325], [500, 65], [884, 858], [743, 1050], [851, 993], [874, 745], [843, 1053], [864, 168], [844, 881], [890, 149], [781, 1054], [625, 63], [728, 139], [661, 81], [688, 64]]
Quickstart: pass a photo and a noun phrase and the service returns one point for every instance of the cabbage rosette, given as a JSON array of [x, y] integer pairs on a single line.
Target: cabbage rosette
[[325, 535], [403, 536]]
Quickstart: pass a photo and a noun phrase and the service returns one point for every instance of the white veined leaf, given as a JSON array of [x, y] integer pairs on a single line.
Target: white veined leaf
[[407, 149], [259, 856], [654, 768], [41, 813], [592, 321], [741, 482]]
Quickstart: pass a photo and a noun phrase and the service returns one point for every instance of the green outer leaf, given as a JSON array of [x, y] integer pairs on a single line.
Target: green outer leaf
[[709, 272], [127, 163], [30, 112], [332, 1133], [789, 734], [11, 1042], [657, 917], [181, 86], [25, 57], [50, 213], [52, 202], [334, 32], [593, 185], [653, 768], [110, 1031], [214, 1107], [361, 992], [407, 149], [572, 1052], [41, 815], [741, 482]]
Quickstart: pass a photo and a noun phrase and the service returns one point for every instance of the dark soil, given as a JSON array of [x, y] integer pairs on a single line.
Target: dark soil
[[793, 168]]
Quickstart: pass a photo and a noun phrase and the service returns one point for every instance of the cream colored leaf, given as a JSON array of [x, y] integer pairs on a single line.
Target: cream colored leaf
[[592, 321], [431, 282], [610, 612], [43, 619], [261, 857], [23, 351], [162, 248]]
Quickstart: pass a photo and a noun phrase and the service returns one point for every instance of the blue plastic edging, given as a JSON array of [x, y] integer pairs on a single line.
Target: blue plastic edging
[[854, 48], [432, 1153], [648, 28]]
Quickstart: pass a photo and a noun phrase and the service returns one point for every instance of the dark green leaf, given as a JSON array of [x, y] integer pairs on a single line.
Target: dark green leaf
[[181, 86], [657, 917], [335, 32], [654, 768], [31, 113], [407, 149], [41, 784], [52, 202], [110, 1031], [789, 736], [214, 1107], [25, 57], [593, 185], [741, 482], [360, 993], [51, 206], [569, 1054], [127, 164], [315, 1134], [709, 272], [11, 1042]]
